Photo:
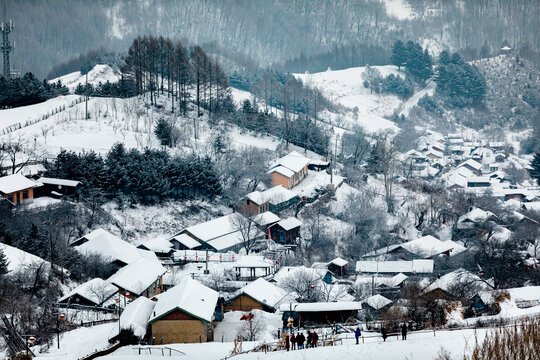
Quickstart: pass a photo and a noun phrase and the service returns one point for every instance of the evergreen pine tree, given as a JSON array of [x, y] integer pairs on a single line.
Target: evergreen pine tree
[[3, 263], [163, 132], [399, 54], [535, 165]]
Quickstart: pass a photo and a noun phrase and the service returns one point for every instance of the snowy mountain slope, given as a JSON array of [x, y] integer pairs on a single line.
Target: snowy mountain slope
[[345, 87], [100, 73]]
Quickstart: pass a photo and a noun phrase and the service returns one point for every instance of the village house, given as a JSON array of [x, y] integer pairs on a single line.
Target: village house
[[108, 246], [143, 277], [339, 267], [484, 302], [292, 273], [445, 286], [94, 293], [479, 181], [309, 314], [162, 247], [475, 217], [184, 314], [289, 170], [374, 305], [221, 235], [275, 199], [426, 247], [17, 189], [286, 231], [260, 294], [265, 220], [134, 318], [472, 165], [185, 242]]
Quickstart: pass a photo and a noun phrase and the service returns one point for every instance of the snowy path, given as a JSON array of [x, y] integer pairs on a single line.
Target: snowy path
[[429, 89]]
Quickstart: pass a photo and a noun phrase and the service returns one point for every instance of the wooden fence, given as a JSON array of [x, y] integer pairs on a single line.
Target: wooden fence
[[20, 125]]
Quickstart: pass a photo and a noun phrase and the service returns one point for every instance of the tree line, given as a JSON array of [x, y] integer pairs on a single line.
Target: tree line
[[148, 176], [157, 65], [28, 90]]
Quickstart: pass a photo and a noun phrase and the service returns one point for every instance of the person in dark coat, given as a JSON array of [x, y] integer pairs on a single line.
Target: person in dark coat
[[404, 331], [287, 344], [309, 339], [357, 334], [300, 340], [384, 333], [315, 338], [293, 342]]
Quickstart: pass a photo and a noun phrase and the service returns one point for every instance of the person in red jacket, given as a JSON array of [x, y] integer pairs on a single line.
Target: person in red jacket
[[315, 338], [293, 342]]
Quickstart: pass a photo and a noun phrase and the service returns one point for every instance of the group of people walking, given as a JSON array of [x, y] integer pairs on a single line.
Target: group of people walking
[[293, 342]]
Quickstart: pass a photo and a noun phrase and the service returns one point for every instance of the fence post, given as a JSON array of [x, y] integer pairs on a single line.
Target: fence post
[[433, 332], [362, 339]]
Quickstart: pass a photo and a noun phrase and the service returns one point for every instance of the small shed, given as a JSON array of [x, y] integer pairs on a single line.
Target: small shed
[[286, 231], [135, 318], [57, 187], [321, 313], [374, 305], [143, 277], [339, 267], [162, 247], [185, 242]]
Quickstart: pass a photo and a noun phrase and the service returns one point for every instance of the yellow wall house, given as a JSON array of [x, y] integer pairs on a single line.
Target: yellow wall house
[[184, 314], [17, 189], [289, 170]]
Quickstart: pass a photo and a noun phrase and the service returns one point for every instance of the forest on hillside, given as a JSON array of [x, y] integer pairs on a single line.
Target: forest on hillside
[[361, 31]]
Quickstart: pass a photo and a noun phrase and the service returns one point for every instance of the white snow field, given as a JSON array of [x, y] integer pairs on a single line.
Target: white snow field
[[418, 346], [346, 87], [99, 74]]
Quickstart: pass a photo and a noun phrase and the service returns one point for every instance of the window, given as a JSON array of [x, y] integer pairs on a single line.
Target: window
[[25, 194]]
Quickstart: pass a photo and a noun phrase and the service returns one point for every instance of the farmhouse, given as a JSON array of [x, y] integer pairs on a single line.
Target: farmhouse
[[274, 199], [259, 294], [184, 314], [95, 292], [339, 267], [221, 234], [160, 246], [108, 246], [265, 220], [289, 170], [524, 297], [373, 305], [443, 287], [17, 189], [426, 247], [143, 277], [475, 217]]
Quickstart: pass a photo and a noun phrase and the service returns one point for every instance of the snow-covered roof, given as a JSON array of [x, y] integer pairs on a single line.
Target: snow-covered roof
[[322, 306], [446, 282], [221, 233], [289, 223], [396, 280], [265, 292], [16, 182], [282, 170], [377, 301], [189, 296], [135, 317], [251, 261], [138, 276], [158, 244], [18, 259], [471, 163], [424, 247], [339, 262], [527, 293], [107, 245], [294, 271], [96, 290], [276, 195], [479, 179], [293, 161], [477, 215], [266, 218], [187, 241], [415, 266], [61, 182]]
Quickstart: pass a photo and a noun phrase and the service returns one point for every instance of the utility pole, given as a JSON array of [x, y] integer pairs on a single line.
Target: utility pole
[[86, 98], [6, 28]]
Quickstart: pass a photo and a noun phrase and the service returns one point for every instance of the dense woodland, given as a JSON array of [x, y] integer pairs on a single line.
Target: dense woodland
[[27, 90]]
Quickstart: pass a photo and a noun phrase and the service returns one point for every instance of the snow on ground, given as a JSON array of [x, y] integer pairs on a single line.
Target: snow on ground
[[418, 346], [411, 102], [315, 180], [99, 74], [18, 259], [399, 9], [22, 114], [80, 342], [228, 328], [346, 87]]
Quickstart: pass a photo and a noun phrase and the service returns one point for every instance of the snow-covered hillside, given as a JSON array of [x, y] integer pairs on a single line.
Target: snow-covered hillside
[[100, 73], [346, 87]]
